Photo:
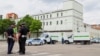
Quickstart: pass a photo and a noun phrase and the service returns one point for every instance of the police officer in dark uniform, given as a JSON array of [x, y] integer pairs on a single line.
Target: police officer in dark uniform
[[22, 38], [10, 38]]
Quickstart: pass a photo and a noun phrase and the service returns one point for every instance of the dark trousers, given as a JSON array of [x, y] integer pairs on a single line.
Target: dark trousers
[[19, 42], [10, 44], [63, 41], [22, 42]]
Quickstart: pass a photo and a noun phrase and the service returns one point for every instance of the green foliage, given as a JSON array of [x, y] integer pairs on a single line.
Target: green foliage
[[27, 20], [4, 24], [35, 26], [32, 24]]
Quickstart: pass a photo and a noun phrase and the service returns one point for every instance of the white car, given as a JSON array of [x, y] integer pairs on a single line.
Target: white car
[[95, 40], [33, 41]]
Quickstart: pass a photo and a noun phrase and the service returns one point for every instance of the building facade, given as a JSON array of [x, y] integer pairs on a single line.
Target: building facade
[[12, 16], [96, 28], [67, 20]]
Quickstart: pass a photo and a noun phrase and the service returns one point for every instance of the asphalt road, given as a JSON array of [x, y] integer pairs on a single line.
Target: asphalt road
[[54, 50]]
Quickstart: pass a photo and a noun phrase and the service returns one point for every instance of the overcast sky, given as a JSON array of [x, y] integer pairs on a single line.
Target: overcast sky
[[23, 7]]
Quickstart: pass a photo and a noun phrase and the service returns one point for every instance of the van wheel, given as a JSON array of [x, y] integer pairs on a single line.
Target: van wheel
[[67, 42], [45, 42]]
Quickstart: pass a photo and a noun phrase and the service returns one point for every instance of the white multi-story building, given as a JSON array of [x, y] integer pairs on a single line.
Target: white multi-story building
[[67, 20]]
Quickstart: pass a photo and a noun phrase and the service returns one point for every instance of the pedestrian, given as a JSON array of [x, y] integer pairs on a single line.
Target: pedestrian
[[50, 40], [10, 38], [23, 32], [63, 40]]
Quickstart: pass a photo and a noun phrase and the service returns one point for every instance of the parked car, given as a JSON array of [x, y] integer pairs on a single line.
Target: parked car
[[95, 40], [34, 41]]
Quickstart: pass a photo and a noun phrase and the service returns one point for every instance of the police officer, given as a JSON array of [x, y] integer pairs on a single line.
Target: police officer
[[10, 38], [22, 38], [63, 40]]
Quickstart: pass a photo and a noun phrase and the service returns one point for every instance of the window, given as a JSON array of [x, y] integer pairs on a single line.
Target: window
[[47, 23], [50, 15], [38, 17], [44, 16], [61, 22], [57, 22], [57, 14], [50, 23], [61, 14], [47, 16], [41, 17]]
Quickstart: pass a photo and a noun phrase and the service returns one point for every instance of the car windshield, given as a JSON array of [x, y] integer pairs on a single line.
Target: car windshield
[[30, 39], [36, 39], [43, 35]]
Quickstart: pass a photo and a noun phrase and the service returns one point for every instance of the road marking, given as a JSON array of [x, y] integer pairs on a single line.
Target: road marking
[[44, 53], [55, 55]]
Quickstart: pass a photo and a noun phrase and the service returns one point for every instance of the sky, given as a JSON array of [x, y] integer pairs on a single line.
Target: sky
[[22, 7]]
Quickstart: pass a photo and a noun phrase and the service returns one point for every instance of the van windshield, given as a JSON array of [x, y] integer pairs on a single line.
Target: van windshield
[[44, 35]]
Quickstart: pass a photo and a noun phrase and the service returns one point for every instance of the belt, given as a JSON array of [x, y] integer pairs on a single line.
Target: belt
[[10, 37], [23, 36]]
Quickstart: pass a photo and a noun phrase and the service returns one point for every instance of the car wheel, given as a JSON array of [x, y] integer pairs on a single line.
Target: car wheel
[[41, 43], [29, 44]]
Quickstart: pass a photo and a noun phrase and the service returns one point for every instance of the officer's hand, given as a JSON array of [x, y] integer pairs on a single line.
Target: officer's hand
[[14, 39]]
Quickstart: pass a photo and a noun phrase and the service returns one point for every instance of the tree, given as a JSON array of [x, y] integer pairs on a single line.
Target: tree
[[35, 26], [4, 24], [31, 23], [27, 20]]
